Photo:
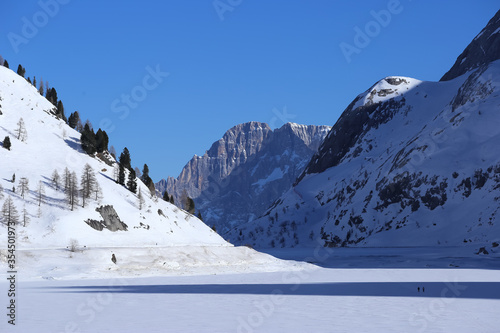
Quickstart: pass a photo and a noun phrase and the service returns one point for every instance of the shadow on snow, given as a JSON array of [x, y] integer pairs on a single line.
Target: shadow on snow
[[465, 290]]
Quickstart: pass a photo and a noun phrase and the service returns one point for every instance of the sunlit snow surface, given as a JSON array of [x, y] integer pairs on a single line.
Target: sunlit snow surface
[[312, 299]]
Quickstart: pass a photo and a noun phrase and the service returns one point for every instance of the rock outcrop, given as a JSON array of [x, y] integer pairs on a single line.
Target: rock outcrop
[[111, 220], [483, 49]]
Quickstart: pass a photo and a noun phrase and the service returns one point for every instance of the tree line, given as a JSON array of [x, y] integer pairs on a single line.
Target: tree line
[[92, 142]]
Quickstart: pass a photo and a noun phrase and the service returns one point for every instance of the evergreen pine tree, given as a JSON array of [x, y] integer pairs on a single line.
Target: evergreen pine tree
[[172, 199], [131, 182], [34, 81], [201, 218], [20, 70], [87, 122], [98, 140], [190, 205], [121, 175], [166, 197], [88, 140], [105, 141], [125, 159], [60, 111], [6, 143], [6, 64], [73, 119], [102, 141], [145, 176], [51, 96]]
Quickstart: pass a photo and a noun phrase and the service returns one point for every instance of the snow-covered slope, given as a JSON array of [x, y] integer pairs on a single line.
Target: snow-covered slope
[[52, 145], [409, 163]]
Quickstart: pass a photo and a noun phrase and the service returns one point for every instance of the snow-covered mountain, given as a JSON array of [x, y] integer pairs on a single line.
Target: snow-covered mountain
[[408, 163], [153, 235], [243, 172]]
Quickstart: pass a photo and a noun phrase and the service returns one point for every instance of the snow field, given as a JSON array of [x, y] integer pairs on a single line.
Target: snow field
[[316, 300]]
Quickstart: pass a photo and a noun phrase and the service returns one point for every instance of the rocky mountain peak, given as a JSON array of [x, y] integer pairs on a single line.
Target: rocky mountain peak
[[244, 136], [483, 49], [244, 171], [311, 135]]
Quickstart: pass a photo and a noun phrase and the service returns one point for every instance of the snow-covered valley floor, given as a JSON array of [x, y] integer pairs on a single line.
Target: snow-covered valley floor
[[295, 297]]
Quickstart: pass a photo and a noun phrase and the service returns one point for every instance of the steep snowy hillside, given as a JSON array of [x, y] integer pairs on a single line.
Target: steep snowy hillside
[[243, 172], [49, 145], [409, 163]]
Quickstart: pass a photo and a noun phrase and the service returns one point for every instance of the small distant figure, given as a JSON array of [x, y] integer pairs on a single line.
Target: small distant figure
[[113, 258], [418, 288], [423, 289]]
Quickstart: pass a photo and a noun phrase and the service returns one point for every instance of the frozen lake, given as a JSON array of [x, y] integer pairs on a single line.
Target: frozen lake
[[314, 300]]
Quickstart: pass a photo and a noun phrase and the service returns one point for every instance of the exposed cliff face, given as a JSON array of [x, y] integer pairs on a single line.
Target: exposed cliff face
[[408, 163], [483, 49], [236, 146], [242, 173]]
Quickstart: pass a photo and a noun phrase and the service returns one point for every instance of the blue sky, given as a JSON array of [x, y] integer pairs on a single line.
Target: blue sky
[[219, 63]]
